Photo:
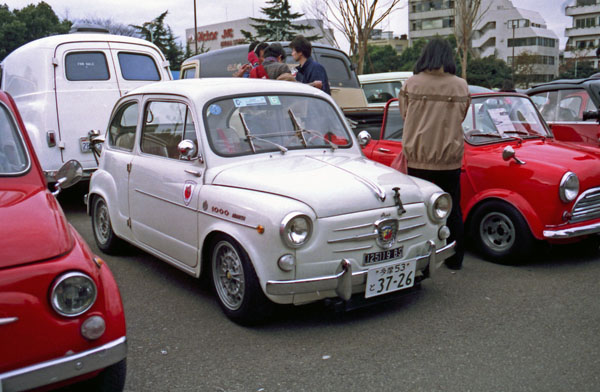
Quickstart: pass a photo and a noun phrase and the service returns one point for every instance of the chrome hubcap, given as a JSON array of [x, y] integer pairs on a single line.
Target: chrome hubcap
[[102, 220], [497, 231], [228, 275]]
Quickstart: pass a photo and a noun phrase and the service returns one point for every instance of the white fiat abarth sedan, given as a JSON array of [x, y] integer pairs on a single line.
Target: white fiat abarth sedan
[[262, 185]]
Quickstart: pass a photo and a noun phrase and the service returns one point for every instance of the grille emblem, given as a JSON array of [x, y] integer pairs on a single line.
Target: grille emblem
[[387, 230]]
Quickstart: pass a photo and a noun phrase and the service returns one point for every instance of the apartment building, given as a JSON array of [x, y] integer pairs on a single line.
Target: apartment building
[[379, 37], [583, 37], [502, 30]]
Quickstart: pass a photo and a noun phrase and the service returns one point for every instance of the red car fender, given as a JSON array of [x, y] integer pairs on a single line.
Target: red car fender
[[512, 198]]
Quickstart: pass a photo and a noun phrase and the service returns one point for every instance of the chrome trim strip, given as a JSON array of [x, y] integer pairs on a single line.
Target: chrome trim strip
[[8, 320], [360, 237], [354, 227], [165, 200], [353, 249], [64, 368], [410, 217], [343, 281], [572, 232], [378, 190], [407, 228], [409, 238]]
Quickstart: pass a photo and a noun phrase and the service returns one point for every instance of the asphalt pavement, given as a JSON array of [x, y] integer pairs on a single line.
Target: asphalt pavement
[[487, 327]]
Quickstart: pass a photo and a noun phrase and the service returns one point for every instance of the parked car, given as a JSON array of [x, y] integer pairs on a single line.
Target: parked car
[[345, 87], [261, 185], [66, 85], [61, 316], [563, 104], [381, 87], [518, 183]]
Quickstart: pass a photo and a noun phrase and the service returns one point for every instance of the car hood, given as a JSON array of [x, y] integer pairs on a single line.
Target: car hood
[[585, 162], [33, 227], [332, 185]]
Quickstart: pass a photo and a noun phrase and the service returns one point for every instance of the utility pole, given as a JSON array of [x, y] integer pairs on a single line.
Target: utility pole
[[513, 51], [195, 30]]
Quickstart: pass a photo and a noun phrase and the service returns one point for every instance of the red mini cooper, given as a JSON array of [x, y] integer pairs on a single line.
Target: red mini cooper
[[61, 316], [518, 183]]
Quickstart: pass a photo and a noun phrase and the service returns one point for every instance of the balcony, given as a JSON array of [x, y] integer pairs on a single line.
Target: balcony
[[578, 10], [582, 31]]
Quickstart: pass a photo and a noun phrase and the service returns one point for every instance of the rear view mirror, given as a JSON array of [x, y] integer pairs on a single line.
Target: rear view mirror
[[187, 149]]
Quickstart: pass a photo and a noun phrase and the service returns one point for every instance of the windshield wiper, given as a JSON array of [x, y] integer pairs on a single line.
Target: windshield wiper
[[250, 138], [300, 132]]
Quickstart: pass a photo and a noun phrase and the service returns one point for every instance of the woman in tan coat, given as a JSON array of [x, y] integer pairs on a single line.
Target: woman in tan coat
[[434, 103]]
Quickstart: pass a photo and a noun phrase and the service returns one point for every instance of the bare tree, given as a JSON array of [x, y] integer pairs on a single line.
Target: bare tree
[[467, 15], [355, 19]]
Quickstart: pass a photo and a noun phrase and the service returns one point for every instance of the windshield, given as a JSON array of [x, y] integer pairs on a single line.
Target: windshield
[[13, 156], [264, 123], [502, 117]]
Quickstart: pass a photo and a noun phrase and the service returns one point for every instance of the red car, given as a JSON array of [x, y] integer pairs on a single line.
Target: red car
[[61, 316], [518, 183], [563, 103]]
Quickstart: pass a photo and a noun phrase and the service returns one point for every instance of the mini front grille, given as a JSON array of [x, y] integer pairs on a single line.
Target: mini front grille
[[587, 206]]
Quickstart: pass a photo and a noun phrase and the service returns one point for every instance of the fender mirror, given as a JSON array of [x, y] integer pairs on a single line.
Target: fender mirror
[[509, 153], [364, 138], [68, 175]]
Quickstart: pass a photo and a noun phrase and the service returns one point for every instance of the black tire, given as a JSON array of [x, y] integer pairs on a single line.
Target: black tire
[[235, 283], [110, 379], [500, 233], [105, 237]]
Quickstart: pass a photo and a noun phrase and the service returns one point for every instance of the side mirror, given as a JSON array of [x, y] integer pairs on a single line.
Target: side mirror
[[187, 149], [364, 138], [509, 153], [68, 175], [591, 115]]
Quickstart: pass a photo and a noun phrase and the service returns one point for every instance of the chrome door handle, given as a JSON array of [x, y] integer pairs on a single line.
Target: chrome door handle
[[193, 172], [383, 150]]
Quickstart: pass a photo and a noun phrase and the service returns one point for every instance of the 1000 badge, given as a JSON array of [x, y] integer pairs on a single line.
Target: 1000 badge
[[389, 278]]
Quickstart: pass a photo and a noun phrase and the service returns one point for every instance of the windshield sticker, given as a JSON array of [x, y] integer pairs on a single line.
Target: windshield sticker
[[214, 109], [249, 101], [501, 120], [274, 101]]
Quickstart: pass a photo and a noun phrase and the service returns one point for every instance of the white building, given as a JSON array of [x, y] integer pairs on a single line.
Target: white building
[[224, 34], [502, 30], [584, 34]]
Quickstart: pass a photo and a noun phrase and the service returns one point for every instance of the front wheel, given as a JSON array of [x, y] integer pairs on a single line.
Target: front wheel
[[105, 237], [236, 284], [501, 233]]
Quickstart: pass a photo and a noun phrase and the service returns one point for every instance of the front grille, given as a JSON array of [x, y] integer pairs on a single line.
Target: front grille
[[587, 206]]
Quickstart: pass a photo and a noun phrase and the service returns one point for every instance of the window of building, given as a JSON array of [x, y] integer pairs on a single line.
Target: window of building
[[532, 41]]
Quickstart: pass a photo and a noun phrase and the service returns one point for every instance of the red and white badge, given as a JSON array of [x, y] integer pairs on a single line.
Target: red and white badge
[[188, 191]]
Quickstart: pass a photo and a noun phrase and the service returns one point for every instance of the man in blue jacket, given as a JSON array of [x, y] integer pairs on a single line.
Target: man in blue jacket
[[309, 71]]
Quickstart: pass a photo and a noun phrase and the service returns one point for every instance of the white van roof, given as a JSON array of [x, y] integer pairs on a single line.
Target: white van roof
[[384, 77]]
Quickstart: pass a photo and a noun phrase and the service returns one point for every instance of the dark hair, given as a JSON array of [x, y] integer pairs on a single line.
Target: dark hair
[[275, 50], [435, 55], [252, 46], [302, 45], [259, 47]]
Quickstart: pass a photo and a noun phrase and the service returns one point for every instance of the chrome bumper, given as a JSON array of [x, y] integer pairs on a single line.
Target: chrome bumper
[[343, 281], [64, 368], [572, 232]]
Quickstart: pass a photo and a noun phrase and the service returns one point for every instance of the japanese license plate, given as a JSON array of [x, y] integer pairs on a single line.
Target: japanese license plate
[[389, 278], [384, 255], [84, 144]]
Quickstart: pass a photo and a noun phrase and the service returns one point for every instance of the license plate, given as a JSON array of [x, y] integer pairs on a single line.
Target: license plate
[[384, 255], [389, 278], [84, 144]]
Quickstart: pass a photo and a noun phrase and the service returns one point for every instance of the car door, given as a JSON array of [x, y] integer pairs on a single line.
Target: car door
[[563, 109], [163, 187], [389, 145], [137, 65], [86, 92]]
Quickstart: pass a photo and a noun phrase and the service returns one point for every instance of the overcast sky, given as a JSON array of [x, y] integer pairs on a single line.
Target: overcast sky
[[181, 12]]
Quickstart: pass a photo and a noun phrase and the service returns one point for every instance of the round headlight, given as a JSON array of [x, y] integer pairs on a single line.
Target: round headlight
[[295, 229], [569, 187], [73, 294], [440, 206]]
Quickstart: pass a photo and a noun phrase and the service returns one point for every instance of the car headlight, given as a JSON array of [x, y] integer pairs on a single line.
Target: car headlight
[[569, 187], [440, 205], [73, 294], [295, 229]]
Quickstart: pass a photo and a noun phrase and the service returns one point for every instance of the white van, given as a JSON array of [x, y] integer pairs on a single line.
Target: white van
[[381, 87], [66, 85]]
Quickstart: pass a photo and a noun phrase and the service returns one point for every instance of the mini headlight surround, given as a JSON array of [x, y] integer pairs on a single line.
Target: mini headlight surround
[[73, 294], [295, 229], [440, 205], [569, 187]]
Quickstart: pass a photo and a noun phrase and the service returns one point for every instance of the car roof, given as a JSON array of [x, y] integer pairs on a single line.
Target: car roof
[[384, 76], [565, 83], [204, 89]]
